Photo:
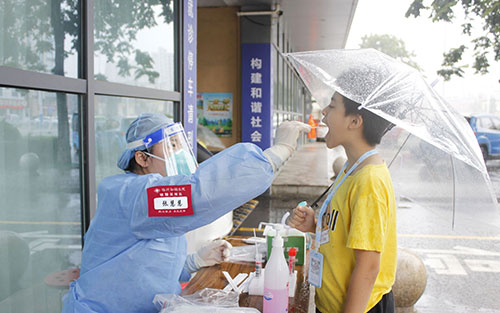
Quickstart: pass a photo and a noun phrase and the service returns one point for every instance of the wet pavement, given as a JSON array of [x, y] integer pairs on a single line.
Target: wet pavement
[[493, 167], [463, 266], [463, 263]]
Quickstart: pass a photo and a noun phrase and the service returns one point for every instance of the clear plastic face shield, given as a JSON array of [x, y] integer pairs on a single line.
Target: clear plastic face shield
[[179, 157]]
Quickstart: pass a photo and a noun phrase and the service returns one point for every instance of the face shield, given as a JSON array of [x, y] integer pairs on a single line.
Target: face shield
[[179, 158]]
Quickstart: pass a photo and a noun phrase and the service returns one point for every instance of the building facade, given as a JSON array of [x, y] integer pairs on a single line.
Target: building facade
[[75, 73]]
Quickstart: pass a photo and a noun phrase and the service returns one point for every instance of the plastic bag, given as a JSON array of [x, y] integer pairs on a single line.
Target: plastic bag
[[207, 300], [246, 253]]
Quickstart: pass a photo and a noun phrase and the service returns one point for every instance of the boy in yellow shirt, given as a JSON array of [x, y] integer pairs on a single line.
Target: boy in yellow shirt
[[357, 231]]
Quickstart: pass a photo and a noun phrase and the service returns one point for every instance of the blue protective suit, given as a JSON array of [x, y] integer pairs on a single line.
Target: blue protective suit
[[129, 257]]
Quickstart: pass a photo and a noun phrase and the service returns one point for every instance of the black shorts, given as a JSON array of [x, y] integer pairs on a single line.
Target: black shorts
[[385, 305]]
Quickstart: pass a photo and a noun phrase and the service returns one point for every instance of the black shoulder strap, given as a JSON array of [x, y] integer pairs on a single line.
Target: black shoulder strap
[[315, 203]]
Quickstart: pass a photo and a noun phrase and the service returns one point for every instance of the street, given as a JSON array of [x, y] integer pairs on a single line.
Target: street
[[462, 262], [463, 266], [494, 171]]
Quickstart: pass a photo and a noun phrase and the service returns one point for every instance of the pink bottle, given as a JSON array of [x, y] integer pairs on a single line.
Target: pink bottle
[[276, 279]]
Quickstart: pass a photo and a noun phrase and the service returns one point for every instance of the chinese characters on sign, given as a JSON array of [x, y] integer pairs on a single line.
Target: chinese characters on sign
[[256, 94], [189, 93], [169, 201]]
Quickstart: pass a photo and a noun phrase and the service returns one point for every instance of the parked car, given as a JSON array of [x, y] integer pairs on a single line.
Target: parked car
[[486, 127]]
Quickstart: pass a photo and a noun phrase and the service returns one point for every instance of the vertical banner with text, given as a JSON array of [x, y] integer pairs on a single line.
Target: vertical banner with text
[[256, 109], [189, 61]]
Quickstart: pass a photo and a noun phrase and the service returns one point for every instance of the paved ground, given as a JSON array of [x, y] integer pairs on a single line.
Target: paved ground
[[462, 263], [494, 172]]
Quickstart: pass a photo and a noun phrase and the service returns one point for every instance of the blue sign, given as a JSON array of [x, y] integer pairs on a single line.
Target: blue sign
[[189, 57], [256, 108]]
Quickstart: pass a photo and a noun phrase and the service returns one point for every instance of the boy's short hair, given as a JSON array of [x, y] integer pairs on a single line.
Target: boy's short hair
[[374, 126], [359, 83]]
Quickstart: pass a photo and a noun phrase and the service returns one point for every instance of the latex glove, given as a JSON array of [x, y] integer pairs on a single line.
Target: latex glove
[[212, 253], [285, 142], [288, 132]]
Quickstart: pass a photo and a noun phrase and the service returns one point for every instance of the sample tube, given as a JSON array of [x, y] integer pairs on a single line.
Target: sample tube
[[292, 253], [258, 265]]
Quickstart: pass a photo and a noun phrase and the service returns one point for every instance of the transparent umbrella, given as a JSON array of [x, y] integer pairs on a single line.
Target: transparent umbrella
[[433, 154]]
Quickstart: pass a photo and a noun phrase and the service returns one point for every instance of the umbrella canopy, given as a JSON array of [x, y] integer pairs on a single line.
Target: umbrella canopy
[[433, 142]]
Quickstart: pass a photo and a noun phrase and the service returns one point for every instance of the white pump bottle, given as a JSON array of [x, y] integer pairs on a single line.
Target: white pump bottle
[[276, 279]]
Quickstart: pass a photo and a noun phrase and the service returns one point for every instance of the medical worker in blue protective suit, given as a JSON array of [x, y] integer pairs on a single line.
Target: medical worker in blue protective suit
[[129, 256]]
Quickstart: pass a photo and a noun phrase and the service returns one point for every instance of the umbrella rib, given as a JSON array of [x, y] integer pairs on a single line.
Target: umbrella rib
[[454, 194], [401, 147]]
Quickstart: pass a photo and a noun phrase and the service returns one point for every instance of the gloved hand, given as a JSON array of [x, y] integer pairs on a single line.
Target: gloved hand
[[288, 132], [285, 142], [212, 253]]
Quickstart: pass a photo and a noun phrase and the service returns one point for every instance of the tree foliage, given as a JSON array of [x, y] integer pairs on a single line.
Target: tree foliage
[[487, 12], [27, 35], [33, 35], [391, 46], [117, 23]]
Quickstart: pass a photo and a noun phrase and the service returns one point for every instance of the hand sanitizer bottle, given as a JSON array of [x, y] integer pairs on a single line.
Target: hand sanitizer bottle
[[276, 279]]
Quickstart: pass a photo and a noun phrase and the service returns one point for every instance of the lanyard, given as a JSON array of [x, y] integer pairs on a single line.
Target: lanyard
[[334, 190]]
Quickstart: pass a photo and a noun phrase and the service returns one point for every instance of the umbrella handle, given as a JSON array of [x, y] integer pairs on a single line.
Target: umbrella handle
[[315, 203]]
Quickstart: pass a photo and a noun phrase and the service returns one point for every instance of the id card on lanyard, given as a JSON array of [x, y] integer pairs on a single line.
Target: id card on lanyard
[[315, 273]]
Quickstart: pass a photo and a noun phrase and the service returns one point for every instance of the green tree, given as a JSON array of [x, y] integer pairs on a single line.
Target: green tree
[[27, 38], [117, 23], [487, 12], [391, 46]]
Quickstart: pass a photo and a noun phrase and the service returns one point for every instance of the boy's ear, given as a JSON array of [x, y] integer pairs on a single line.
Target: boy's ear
[[356, 121]]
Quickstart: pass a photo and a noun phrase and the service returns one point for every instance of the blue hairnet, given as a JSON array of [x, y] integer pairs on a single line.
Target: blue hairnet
[[142, 126]]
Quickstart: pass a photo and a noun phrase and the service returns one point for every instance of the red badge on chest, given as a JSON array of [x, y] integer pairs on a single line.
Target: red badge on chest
[[169, 201]]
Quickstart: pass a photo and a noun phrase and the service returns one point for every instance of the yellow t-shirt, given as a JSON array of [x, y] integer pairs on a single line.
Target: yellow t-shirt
[[363, 212]]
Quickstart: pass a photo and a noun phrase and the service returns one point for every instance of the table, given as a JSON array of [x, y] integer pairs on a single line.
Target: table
[[212, 277]]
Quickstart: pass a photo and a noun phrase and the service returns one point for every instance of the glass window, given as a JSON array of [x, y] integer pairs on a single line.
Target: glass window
[[296, 92], [280, 83], [134, 43], [290, 89], [496, 123], [113, 117], [282, 46], [40, 211], [300, 95], [486, 123], [274, 32], [33, 38], [274, 75], [280, 37], [285, 87], [291, 92]]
